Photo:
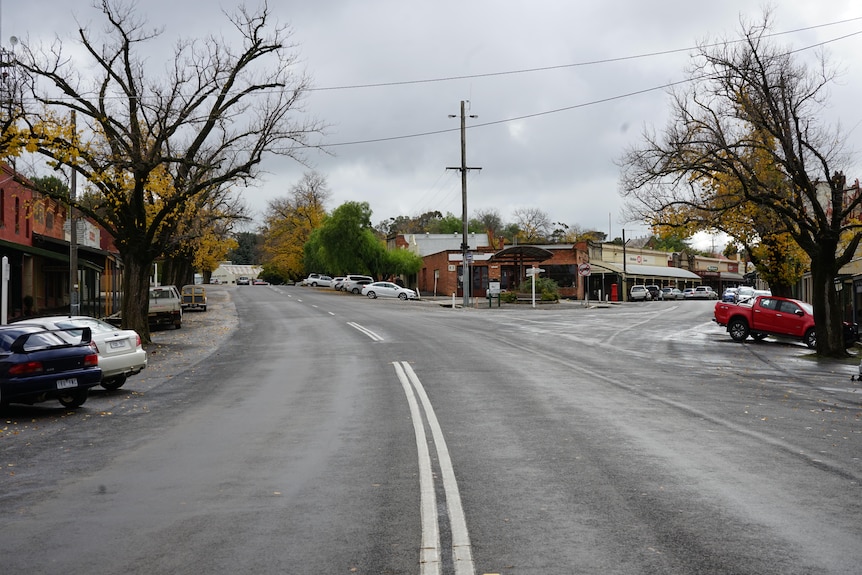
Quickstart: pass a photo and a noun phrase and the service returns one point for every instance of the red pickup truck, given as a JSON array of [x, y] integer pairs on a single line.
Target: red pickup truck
[[771, 315]]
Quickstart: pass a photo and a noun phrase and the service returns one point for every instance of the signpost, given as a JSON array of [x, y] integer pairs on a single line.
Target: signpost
[[534, 271], [585, 271]]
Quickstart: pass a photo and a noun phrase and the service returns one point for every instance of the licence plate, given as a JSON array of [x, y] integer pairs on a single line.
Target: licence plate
[[117, 344], [67, 383]]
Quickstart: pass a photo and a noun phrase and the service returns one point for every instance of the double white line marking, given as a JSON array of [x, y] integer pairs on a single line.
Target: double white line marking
[[365, 330], [429, 557]]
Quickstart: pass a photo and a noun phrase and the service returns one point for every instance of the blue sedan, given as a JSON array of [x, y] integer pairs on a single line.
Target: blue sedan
[[38, 365]]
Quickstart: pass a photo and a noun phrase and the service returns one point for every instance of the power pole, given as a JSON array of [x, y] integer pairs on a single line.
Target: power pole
[[463, 168], [74, 304]]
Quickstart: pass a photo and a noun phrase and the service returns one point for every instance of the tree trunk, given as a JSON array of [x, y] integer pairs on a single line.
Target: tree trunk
[[177, 271], [828, 315], [136, 296]]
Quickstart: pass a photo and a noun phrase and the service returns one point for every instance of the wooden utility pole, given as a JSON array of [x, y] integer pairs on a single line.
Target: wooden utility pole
[[463, 168], [74, 304]]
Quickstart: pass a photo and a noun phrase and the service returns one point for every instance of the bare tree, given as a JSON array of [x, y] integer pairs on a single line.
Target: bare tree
[[150, 147], [490, 221], [533, 223], [749, 101]]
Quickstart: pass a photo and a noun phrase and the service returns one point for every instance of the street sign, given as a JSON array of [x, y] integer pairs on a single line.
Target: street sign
[[532, 271], [584, 269]]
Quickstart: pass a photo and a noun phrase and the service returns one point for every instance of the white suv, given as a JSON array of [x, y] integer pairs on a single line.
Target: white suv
[[639, 293], [353, 283]]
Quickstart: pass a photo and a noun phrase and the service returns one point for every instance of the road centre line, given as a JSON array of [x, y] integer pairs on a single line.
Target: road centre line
[[365, 330], [462, 554], [429, 549]]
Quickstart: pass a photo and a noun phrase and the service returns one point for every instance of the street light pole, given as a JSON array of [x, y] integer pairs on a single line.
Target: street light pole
[[463, 168]]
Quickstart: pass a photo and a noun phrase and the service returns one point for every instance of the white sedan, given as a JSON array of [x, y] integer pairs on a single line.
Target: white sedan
[[375, 290], [120, 351]]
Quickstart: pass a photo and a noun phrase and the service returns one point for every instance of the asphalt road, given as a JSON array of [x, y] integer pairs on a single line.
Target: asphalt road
[[294, 430]]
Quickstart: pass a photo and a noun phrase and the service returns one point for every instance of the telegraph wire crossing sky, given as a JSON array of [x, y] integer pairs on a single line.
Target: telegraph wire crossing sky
[[560, 89]]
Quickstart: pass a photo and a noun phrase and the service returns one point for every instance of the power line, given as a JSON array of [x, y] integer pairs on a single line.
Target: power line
[[557, 110], [573, 65]]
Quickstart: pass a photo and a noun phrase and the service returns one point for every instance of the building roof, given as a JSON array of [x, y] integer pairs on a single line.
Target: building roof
[[237, 270], [427, 244]]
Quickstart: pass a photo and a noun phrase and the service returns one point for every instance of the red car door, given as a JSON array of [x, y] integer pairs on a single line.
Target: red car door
[[791, 319], [764, 314]]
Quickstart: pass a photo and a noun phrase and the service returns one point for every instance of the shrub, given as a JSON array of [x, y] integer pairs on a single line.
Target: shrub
[[508, 297]]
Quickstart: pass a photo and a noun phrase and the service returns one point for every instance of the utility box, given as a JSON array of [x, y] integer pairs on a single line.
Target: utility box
[[493, 292]]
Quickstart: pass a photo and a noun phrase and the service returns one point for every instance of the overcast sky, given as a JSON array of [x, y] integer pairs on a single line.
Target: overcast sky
[[575, 119]]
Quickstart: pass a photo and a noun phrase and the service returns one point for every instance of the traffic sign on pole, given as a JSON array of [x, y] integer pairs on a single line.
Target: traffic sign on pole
[[584, 269]]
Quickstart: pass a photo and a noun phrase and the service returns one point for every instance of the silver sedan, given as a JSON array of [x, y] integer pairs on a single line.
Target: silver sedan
[[388, 289]]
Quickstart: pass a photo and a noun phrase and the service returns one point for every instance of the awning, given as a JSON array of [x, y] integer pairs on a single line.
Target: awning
[[88, 257], [34, 251], [637, 270], [520, 254]]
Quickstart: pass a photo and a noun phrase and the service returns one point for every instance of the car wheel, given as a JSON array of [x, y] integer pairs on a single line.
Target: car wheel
[[114, 382], [372, 295], [73, 399], [356, 290], [313, 284], [810, 339], [402, 296], [738, 329], [204, 308]]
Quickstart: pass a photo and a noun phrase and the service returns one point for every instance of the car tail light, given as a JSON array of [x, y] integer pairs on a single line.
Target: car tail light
[[137, 340], [91, 360], [26, 368]]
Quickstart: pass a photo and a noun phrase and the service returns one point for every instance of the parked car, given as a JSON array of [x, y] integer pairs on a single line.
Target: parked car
[[765, 315], [669, 293], [194, 297], [243, 281], [703, 292], [166, 306], [310, 277], [686, 293], [37, 365], [654, 291], [744, 293], [319, 281], [120, 352], [729, 295], [259, 282], [357, 285], [388, 289], [337, 283], [353, 282], [639, 293]]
